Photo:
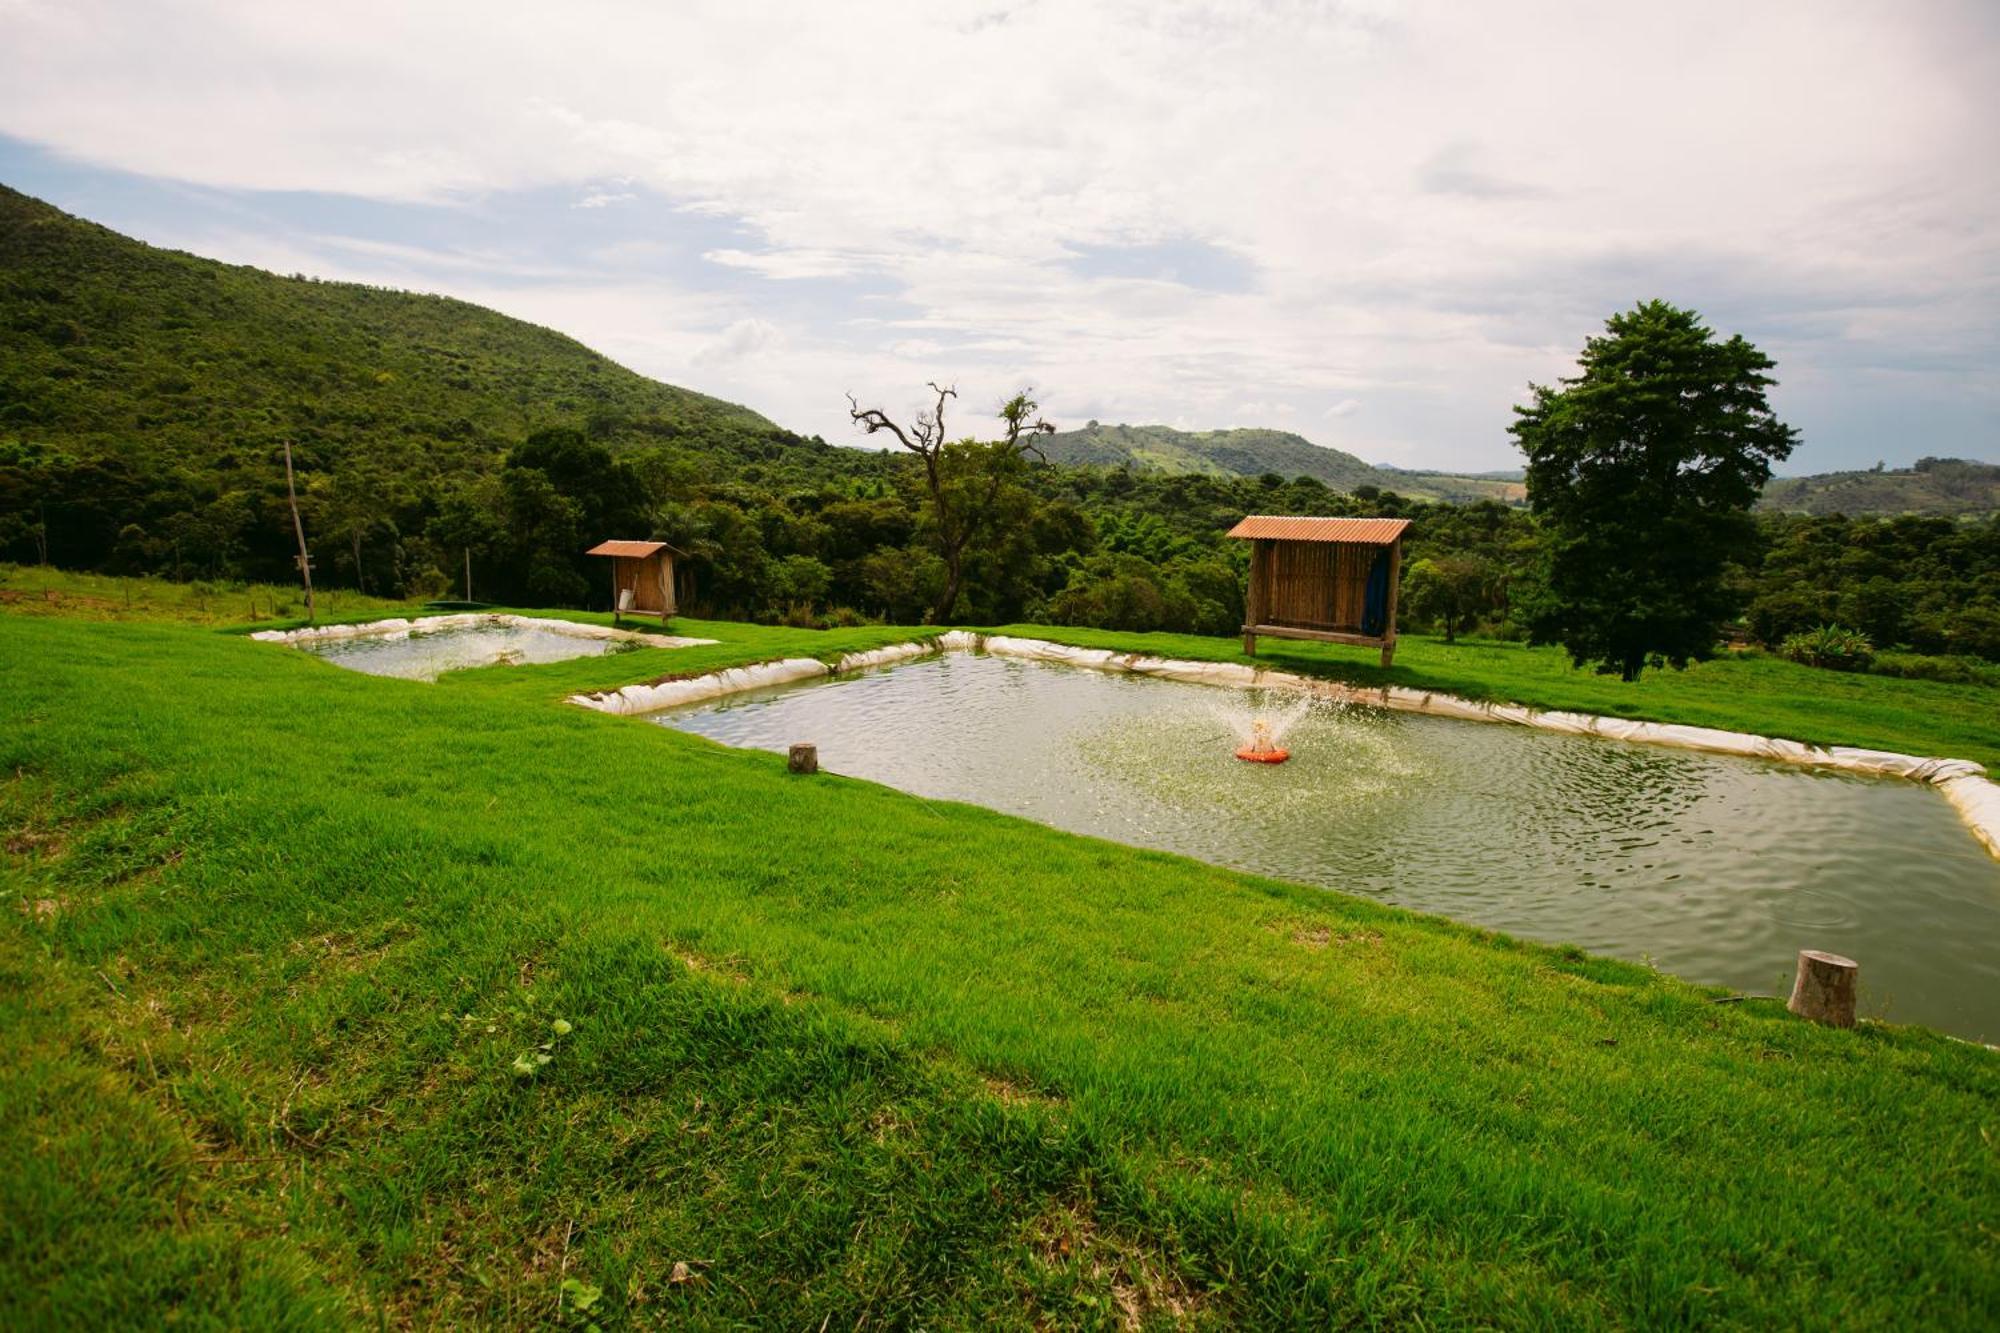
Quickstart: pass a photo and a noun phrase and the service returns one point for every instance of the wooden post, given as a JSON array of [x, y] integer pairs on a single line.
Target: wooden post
[[1824, 988], [617, 613], [1389, 622], [1254, 603], [298, 527], [804, 758], [468, 573]]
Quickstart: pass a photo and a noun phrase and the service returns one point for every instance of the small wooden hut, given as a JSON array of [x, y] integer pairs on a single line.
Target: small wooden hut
[[1331, 579], [642, 578]]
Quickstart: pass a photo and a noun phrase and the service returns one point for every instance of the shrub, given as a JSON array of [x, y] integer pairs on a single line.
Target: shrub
[[1829, 646], [1955, 670]]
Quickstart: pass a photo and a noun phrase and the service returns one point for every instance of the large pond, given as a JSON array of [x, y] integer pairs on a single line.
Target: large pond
[[1715, 868], [420, 654]]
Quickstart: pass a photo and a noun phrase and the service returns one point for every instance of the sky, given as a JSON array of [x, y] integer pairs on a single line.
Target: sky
[[1372, 223]]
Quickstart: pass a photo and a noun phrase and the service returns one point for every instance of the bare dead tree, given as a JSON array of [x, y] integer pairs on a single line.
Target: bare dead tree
[[958, 512], [299, 529]]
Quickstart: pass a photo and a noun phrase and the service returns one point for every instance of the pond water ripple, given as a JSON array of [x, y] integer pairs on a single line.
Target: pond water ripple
[[1709, 866]]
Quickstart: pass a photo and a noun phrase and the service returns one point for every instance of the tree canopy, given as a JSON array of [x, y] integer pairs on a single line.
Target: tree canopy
[[1643, 470]]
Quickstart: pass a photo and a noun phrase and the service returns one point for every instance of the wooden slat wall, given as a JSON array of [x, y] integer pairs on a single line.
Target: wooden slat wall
[[1315, 585], [649, 579]]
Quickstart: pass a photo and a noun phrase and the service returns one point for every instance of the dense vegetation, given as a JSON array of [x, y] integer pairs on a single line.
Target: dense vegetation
[[143, 394], [278, 992]]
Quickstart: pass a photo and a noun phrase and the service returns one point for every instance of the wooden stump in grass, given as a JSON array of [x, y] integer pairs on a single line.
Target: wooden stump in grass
[[804, 758], [1824, 989]]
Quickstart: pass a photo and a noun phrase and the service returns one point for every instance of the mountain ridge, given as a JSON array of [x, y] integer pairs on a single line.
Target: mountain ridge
[[1943, 487], [1253, 451]]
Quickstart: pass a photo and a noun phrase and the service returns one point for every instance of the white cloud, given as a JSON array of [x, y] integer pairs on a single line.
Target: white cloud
[[742, 340], [1433, 203]]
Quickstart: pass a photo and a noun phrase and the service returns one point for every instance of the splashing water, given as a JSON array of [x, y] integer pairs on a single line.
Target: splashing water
[[1261, 729]]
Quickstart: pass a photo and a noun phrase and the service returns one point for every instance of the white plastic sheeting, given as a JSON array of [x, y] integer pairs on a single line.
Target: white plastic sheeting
[[1977, 801], [1963, 783], [901, 652], [699, 689], [401, 628]]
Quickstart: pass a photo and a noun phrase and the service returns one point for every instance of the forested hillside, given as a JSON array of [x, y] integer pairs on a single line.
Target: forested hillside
[[149, 390]]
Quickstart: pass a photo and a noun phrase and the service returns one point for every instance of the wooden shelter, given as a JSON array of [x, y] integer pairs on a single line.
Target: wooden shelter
[[1330, 579], [642, 578]]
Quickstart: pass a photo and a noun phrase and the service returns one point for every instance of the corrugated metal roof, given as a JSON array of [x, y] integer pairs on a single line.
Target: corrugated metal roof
[[1285, 528], [637, 550]]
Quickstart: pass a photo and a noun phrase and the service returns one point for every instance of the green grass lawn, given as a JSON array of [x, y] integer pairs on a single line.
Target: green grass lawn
[[280, 939], [39, 590]]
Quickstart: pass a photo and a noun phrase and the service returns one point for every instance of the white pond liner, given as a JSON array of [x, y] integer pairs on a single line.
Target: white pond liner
[[401, 628], [1963, 783]]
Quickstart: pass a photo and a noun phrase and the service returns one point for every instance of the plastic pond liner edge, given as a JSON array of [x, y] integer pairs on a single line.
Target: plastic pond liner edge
[[1974, 797], [468, 620]]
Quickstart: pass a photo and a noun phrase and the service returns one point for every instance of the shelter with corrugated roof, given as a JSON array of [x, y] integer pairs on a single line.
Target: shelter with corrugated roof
[[1329, 579], [642, 578]]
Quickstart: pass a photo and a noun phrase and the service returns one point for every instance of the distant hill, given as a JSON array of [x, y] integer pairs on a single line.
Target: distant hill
[[1953, 487], [108, 344], [1252, 452], [1508, 485]]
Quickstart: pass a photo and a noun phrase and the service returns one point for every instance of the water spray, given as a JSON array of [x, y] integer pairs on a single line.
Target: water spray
[[1261, 734]]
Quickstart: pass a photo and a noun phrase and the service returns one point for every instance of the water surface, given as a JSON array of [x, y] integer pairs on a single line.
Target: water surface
[[420, 654], [1716, 868]]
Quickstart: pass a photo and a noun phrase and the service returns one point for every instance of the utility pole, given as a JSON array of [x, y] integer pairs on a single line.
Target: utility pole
[[299, 527]]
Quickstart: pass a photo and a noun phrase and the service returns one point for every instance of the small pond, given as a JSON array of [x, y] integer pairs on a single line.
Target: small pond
[[420, 654], [1712, 867]]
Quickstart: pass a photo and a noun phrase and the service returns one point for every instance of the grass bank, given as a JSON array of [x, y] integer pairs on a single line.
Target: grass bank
[[40, 590], [336, 998]]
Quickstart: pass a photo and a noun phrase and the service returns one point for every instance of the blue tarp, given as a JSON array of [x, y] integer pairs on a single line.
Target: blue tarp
[[1375, 605]]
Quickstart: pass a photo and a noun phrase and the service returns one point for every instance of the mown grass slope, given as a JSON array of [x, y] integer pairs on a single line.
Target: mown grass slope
[[281, 938]]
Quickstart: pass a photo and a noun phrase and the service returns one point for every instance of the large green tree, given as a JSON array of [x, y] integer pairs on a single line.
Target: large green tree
[[1643, 469]]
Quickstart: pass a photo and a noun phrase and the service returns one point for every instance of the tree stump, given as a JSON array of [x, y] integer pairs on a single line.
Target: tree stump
[[1824, 989], [804, 758]]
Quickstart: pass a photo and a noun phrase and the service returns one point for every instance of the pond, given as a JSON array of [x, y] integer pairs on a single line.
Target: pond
[[426, 654], [1714, 868]]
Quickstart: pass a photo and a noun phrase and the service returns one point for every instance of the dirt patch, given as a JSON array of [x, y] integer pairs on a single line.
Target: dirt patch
[[1144, 1290], [1319, 937], [40, 910], [1009, 1093], [730, 968]]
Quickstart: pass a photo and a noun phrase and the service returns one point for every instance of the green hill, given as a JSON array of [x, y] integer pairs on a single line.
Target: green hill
[[1244, 453], [1254, 452], [1953, 487], [110, 344]]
